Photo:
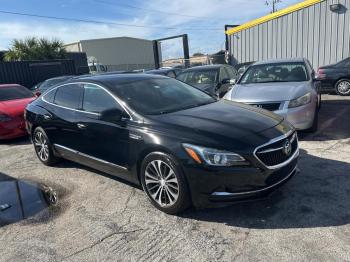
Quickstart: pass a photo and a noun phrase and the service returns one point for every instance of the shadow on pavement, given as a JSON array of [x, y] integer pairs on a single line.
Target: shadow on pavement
[[16, 141], [334, 121], [319, 196]]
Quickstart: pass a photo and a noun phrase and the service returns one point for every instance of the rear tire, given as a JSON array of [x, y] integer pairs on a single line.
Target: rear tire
[[43, 147], [164, 183], [342, 87]]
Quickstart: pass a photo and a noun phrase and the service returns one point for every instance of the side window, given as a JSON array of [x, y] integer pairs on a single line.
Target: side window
[[224, 74], [171, 74], [69, 96], [231, 72], [50, 96], [97, 100]]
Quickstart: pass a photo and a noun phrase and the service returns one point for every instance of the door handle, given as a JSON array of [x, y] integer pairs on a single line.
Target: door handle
[[47, 116], [81, 126]]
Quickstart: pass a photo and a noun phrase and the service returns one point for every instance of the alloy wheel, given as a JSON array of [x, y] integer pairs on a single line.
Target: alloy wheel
[[344, 87], [41, 146], [161, 183]]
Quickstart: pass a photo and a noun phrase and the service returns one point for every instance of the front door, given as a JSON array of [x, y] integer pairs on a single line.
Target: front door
[[102, 141]]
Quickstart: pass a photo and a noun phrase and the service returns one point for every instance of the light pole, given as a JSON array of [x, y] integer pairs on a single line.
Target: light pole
[[273, 3]]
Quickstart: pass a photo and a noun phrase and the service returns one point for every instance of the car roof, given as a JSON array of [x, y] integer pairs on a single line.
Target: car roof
[[117, 78], [161, 70], [204, 67], [278, 61], [60, 77], [9, 85]]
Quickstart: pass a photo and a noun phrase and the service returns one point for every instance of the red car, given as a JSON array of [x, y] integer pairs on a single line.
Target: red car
[[13, 100]]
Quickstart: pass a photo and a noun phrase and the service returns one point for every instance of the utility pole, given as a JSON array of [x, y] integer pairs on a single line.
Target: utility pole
[[273, 3]]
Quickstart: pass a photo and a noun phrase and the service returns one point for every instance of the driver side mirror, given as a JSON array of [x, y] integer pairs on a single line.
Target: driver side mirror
[[114, 115]]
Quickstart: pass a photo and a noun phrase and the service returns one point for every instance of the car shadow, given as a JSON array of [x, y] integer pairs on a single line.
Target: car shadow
[[16, 141], [63, 163], [334, 122], [316, 197]]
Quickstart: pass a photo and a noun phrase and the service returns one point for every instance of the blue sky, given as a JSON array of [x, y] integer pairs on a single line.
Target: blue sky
[[208, 15]]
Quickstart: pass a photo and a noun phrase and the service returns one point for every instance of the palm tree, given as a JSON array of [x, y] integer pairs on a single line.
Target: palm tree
[[35, 49]]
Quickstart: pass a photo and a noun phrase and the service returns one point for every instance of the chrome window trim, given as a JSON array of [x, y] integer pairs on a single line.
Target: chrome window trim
[[296, 153], [223, 194], [279, 148], [119, 102], [88, 156]]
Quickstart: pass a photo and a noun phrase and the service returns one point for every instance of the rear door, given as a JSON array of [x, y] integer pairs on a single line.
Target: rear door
[[61, 120]]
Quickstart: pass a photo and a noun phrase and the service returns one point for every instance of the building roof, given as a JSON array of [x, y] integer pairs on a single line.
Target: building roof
[[109, 38], [264, 19]]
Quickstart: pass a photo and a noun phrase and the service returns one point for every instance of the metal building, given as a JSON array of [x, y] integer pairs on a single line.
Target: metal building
[[315, 29], [117, 53]]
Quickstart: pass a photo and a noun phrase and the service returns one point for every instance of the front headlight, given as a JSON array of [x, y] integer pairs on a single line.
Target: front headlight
[[300, 101], [214, 157]]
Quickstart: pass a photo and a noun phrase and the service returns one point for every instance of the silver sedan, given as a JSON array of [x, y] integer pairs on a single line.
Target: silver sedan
[[286, 87]]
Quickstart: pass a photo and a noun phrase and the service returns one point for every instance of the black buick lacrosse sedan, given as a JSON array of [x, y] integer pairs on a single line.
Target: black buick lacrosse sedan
[[183, 146]]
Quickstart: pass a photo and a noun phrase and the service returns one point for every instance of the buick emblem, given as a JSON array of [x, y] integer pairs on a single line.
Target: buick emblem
[[287, 148]]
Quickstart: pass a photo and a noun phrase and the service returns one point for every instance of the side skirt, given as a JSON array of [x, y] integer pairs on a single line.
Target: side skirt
[[96, 163]]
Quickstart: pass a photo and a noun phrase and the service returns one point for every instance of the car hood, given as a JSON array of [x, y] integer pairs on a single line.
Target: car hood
[[221, 121], [15, 107], [268, 92]]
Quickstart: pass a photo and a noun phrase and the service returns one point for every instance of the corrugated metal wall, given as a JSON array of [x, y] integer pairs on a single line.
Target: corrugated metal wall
[[315, 32], [29, 73]]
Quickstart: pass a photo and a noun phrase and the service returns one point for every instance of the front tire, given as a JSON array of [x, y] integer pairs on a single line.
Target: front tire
[[342, 87], [164, 183], [43, 147]]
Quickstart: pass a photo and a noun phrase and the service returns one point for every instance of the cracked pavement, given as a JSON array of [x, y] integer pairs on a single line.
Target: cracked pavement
[[100, 218]]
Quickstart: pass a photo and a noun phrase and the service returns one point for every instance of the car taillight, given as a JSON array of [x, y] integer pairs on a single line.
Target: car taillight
[[321, 74], [4, 117]]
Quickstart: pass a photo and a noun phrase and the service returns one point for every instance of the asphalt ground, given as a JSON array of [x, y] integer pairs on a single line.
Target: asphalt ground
[[100, 218]]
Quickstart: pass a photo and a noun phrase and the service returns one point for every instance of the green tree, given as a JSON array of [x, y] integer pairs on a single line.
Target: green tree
[[35, 49]]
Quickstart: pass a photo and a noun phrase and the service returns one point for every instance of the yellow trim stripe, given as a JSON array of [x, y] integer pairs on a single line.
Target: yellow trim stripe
[[272, 16]]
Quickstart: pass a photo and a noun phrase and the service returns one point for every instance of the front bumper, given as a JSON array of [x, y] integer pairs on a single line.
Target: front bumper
[[213, 186], [12, 129], [301, 117]]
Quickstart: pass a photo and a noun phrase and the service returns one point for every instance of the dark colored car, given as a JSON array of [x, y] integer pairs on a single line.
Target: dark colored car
[[213, 79], [170, 72], [182, 145], [336, 77], [49, 83]]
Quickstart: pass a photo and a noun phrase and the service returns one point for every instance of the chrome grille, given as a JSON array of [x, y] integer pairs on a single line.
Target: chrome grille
[[268, 106], [275, 153]]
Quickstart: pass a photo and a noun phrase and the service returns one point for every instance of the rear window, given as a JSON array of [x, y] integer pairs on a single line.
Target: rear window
[[14, 92], [69, 96]]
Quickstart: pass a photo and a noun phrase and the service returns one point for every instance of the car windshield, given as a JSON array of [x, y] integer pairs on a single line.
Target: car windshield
[[198, 77], [160, 96], [277, 72], [14, 92]]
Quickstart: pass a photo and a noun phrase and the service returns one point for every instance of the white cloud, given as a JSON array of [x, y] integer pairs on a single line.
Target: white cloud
[[212, 11]]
